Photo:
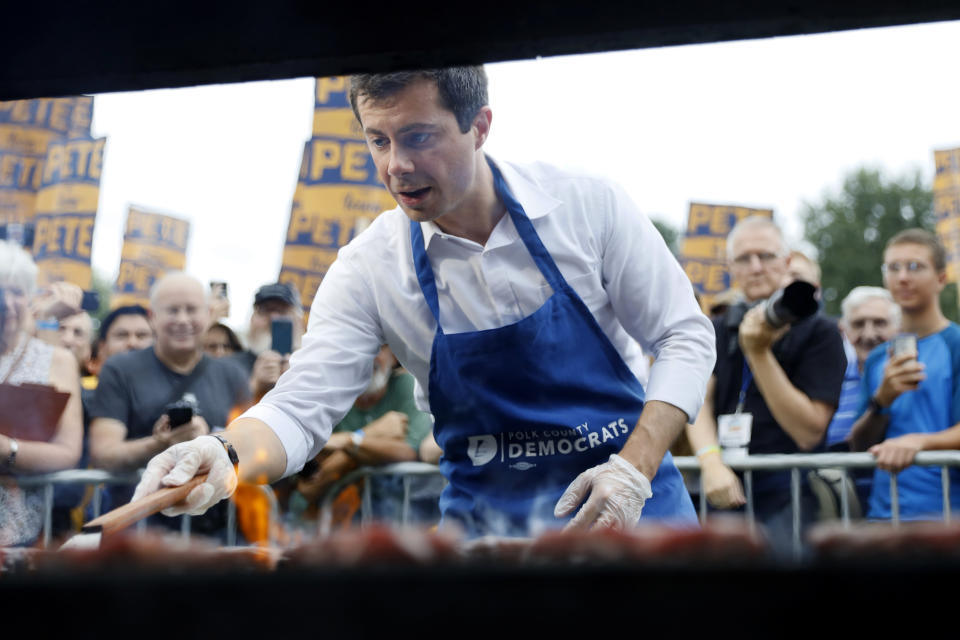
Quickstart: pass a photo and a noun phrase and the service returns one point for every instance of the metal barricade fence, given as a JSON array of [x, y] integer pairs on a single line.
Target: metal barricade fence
[[811, 461], [748, 464], [96, 478], [408, 470]]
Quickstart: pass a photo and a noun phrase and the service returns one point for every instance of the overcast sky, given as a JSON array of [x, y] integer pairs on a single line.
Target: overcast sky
[[768, 123]]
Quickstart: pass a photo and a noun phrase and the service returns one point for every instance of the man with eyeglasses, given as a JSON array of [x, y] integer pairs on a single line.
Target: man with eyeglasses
[[911, 401], [772, 390]]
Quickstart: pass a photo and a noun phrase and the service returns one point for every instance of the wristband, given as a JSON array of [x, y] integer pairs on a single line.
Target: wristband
[[356, 437], [875, 406], [710, 448], [231, 452], [14, 447]]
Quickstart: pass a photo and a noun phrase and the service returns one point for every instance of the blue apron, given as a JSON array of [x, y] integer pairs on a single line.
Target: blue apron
[[521, 410]]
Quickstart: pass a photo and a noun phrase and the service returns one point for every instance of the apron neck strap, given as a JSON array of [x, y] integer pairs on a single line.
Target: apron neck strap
[[524, 226]]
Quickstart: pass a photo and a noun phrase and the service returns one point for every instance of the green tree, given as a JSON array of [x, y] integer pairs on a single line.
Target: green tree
[[104, 288], [850, 228], [671, 235]]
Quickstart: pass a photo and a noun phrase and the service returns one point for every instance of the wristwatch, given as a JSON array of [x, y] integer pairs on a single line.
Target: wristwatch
[[231, 452], [14, 447], [356, 437], [875, 406]]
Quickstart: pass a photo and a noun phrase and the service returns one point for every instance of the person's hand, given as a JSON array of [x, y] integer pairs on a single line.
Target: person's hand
[[169, 436], [902, 373], [721, 484], [392, 424], [60, 300], [331, 469], [267, 369], [161, 430], [183, 461], [338, 442], [219, 309], [755, 335], [896, 454], [617, 492]]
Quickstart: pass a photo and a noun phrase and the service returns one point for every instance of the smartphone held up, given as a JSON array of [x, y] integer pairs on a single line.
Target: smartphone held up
[[281, 335], [904, 343]]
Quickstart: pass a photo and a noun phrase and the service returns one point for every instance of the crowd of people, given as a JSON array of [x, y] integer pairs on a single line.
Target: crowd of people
[[505, 341], [146, 377], [821, 384]]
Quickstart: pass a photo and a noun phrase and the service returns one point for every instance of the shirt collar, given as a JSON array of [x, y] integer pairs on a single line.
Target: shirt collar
[[535, 201]]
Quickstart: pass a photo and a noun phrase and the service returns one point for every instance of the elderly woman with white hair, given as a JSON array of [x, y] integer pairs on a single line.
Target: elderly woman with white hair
[[26, 359]]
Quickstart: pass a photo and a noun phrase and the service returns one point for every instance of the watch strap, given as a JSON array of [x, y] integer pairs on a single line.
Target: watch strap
[[231, 452]]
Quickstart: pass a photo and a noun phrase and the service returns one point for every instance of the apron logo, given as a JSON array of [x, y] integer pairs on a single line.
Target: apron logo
[[481, 449]]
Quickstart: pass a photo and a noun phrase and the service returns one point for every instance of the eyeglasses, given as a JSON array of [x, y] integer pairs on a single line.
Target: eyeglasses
[[912, 266], [763, 256]]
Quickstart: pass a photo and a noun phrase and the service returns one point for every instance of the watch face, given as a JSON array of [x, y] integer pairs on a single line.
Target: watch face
[[231, 452]]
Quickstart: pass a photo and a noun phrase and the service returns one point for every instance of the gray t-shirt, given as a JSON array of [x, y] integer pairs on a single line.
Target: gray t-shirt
[[134, 388]]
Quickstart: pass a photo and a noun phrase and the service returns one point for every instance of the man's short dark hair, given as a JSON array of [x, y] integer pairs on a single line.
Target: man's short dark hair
[[925, 238], [129, 310], [463, 90]]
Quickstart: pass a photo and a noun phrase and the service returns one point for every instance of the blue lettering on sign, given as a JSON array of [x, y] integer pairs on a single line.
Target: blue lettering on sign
[[331, 92], [79, 160], [48, 113], [338, 161], [20, 172], [64, 236]]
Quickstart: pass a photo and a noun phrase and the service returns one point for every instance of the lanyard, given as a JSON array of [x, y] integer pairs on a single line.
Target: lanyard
[[747, 378]]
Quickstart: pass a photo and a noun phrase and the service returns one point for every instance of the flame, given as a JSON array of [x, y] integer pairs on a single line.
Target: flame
[[253, 513]]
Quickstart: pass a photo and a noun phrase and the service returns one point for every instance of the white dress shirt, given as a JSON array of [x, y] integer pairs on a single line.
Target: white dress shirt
[[609, 252]]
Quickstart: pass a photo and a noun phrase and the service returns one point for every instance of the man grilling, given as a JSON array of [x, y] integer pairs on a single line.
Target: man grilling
[[519, 298]]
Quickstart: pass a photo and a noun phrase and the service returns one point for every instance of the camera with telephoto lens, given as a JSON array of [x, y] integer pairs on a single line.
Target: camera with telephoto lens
[[180, 412], [794, 302]]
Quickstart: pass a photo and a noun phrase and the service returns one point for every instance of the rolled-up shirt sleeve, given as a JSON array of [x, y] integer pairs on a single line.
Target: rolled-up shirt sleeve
[[329, 370], [654, 301]]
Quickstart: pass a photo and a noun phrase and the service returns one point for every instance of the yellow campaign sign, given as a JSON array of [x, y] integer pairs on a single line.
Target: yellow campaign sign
[[946, 206], [81, 117], [947, 165], [705, 247], [338, 193], [138, 252], [54, 114], [340, 123], [946, 203], [42, 133], [16, 206], [948, 231], [62, 247], [66, 208], [703, 253], [153, 244], [17, 138]]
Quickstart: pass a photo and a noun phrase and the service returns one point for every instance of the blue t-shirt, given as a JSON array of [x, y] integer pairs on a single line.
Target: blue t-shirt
[[847, 410], [933, 406]]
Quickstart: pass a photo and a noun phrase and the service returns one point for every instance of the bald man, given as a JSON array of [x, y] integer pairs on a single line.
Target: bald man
[[132, 415]]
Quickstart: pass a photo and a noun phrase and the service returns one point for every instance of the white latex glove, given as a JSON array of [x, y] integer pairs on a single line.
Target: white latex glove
[[617, 491], [183, 461]]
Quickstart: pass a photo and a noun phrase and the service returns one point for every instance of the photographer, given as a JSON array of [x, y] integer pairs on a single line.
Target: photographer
[[773, 389], [150, 399]]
